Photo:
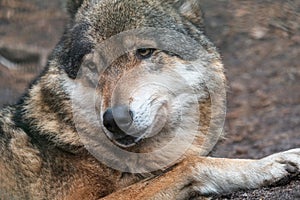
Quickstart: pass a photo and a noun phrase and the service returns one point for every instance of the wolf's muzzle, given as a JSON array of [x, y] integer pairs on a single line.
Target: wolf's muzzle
[[117, 121]]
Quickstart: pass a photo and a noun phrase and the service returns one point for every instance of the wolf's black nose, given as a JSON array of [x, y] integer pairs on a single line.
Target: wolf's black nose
[[117, 120]]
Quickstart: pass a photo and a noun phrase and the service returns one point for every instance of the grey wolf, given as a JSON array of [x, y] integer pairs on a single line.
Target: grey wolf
[[43, 155]]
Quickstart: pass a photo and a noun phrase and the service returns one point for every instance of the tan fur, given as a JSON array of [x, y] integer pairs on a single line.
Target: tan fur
[[43, 156]]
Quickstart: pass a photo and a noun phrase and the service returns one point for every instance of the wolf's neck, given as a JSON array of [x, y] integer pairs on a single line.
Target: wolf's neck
[[46, 113]]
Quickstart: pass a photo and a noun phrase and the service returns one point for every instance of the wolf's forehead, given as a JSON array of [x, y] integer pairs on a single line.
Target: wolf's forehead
[[109, 18]]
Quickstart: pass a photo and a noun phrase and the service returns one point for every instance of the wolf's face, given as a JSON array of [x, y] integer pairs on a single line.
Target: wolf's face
[[149, 86], [146, 94]]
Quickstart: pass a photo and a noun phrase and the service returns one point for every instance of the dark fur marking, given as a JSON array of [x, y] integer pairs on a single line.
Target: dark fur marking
[[73, 6], [24, 124], [43, 141], [72, 48]]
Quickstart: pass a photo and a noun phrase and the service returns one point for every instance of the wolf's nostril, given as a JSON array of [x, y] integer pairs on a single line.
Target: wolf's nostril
[[131, 115], [117, 120], [108, 121]]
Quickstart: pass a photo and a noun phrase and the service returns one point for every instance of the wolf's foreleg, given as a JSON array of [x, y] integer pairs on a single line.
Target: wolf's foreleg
[[206, 176]]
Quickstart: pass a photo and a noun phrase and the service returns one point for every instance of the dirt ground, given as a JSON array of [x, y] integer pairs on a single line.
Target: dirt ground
[[260, 45]]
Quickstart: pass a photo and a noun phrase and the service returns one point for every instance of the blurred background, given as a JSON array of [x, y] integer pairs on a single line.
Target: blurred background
[[260, 45]]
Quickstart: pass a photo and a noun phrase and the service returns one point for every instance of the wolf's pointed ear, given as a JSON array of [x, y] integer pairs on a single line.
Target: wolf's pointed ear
[[73, 6], [191, 10]]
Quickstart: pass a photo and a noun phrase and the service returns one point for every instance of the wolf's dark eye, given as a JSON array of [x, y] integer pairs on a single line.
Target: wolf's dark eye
[[144, 53]]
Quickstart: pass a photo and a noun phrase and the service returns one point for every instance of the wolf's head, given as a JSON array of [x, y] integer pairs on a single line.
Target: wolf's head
[[141, 73]]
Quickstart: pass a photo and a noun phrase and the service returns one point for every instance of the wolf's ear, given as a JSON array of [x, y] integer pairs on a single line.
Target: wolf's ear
[[73, 6], [191, 10]]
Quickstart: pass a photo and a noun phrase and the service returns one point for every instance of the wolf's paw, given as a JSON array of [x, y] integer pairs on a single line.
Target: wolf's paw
[[282, 166], [290, 160]]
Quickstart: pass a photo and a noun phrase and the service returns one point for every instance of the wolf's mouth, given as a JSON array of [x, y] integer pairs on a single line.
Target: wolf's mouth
[[123, 139], [127, 141]]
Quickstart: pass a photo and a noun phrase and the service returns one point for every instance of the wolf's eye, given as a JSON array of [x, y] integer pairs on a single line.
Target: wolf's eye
[[144, 53]]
